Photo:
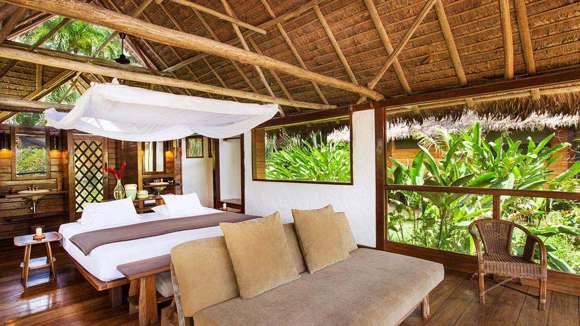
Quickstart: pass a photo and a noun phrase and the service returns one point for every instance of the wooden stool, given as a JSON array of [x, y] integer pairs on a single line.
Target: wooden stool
[[27, 241]]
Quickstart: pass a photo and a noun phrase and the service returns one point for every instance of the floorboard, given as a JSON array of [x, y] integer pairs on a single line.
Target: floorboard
[[72, 301]]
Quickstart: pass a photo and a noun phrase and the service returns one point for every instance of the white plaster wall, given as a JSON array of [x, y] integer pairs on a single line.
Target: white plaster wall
[[357, 200], [230, 169], [197, 175]]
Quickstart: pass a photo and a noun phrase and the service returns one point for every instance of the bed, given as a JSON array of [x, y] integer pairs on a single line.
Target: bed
[[102, 262]]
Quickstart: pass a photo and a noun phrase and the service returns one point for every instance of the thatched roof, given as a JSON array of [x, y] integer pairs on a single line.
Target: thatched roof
[[425, 62], [533, 123]]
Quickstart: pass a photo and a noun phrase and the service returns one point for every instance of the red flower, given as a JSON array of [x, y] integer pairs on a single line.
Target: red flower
[[118, 175]]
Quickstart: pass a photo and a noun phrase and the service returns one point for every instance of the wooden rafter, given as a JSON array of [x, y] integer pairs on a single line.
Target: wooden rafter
[[274, 74], [149, 79], [231, 18], [6, 11], [235, 64], [30, 23], [387, 44], [246, 47], [508, 42], [135, 13], [525, 36], [402, 43], [292, 48], [167, 36], [266, 25], [335, 44], [450, 41], [11, 22], [14, 104]]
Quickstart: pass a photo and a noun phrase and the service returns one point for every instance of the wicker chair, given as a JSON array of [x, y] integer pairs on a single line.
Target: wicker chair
[[496, 258]]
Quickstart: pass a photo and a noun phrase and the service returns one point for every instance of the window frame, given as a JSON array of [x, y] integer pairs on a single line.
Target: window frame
[[39, 131], [347, 117], [187, 139]]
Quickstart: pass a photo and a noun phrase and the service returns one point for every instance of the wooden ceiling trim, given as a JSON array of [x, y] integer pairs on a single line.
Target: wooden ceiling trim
[[377, 22], [231, 18], [293, 49], [525, 36], [508, 42]]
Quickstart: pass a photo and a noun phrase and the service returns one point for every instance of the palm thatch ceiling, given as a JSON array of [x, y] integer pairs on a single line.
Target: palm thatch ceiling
[[458, 43]]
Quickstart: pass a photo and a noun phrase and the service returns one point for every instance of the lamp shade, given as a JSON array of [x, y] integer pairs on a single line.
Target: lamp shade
[[5, 141]]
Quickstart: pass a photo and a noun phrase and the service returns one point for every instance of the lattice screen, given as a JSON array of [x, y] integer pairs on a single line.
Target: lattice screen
[[89, 176]]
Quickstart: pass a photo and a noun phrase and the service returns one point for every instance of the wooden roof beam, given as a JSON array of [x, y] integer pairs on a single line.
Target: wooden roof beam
[[377, 22], [335, 44], [402, 43], [149, 79], [231, 18], [450, 41], [508, 42], [276, 77], [30, 23], [525, 36], [293, 48], [140, 28], [6, 11], [235, 41], [18, 105], [216, 38], [10, 23]]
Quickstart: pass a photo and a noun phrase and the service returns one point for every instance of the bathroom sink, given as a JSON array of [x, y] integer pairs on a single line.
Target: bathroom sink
[[34, 196], [159, 186]]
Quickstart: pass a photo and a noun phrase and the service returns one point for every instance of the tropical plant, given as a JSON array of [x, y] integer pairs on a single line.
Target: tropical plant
[[439, 220]]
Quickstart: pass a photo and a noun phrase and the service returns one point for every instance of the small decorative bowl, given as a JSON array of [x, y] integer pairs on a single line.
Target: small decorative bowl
[[142, 194]]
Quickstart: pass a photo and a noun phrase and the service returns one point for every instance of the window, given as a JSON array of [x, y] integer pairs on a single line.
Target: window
[[153, 157], [31, 155], [314, 152], [194, 147]]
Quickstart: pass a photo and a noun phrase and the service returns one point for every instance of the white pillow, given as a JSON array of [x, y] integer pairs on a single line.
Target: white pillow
[[182, 205], [161, 210], [107, 214]]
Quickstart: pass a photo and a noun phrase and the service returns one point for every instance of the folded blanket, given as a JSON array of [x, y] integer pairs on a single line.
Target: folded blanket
[[87, 241]]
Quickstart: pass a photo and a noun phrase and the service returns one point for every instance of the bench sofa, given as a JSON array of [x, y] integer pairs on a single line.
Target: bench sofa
[[371, 287]]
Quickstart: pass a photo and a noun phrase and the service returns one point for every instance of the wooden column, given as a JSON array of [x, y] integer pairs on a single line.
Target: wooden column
[[380, 171]]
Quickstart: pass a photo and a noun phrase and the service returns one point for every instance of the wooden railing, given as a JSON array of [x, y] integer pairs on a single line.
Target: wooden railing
[[496, 193]]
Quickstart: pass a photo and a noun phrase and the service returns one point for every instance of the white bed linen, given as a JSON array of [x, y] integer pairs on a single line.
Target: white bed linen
[[102, 262]]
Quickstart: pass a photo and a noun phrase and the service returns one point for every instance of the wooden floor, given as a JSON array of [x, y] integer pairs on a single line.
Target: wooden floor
[[72, 301]]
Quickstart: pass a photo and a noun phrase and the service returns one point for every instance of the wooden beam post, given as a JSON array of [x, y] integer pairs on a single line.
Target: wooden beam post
[[145, 78], [508, 42], [380, 173], [139, 28]]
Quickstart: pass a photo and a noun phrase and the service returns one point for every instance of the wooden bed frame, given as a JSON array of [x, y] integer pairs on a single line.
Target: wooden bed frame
[[115, 287]]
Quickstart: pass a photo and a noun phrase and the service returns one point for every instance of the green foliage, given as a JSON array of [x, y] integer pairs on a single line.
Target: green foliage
[[31, 161], [312, 158], [439, 220]]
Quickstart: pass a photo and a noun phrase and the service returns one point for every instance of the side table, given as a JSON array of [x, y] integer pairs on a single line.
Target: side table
[[28, 264]]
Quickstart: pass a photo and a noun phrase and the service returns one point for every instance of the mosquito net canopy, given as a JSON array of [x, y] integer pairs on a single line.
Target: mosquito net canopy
[[136, 114]]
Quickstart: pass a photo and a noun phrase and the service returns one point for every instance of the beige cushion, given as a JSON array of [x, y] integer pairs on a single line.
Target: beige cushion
[[370, 288], [345, 231], [328, 209], [320, 238], [204, 273], [294, 247], [260, 254]]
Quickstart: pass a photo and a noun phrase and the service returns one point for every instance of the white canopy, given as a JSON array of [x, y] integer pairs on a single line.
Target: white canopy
[[136, 114]]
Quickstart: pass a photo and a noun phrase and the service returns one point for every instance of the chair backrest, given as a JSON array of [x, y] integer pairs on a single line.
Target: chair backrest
[[496, 235]]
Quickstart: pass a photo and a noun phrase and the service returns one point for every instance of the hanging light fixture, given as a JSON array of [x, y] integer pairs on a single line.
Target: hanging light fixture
[[5, 141], [122, 59]]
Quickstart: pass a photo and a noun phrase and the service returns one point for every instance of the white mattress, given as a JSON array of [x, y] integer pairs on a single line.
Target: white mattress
[[102, 262]]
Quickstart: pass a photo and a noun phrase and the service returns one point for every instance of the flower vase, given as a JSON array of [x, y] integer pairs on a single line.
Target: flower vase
[[119, 191]]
